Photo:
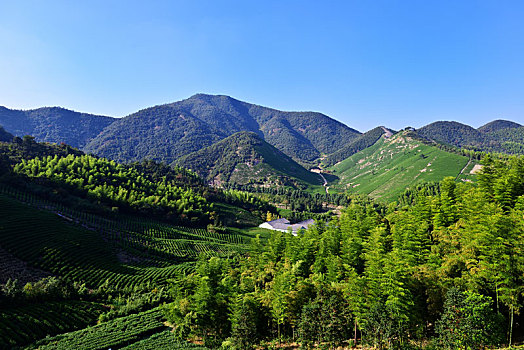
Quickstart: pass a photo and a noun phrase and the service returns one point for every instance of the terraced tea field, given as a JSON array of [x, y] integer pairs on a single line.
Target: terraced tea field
[[124, 253], [121, 250], [384, 170], [33, 322], [113, 334]]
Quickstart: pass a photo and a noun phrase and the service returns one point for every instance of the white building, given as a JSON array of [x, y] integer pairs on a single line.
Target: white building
[[283, 225]]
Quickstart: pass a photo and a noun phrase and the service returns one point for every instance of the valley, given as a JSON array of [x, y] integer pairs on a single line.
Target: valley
[[143, 232]]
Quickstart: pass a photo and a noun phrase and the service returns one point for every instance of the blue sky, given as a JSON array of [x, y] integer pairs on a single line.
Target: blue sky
[[365, 63]]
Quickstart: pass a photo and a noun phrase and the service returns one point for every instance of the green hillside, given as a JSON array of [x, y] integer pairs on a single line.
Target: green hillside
[[360, 143], [5, 136], [497, 125], [391, 165], [54, 124], [169, 131], [453, 133], [94, 258], [244, 158], [501, 136], [511, 139]]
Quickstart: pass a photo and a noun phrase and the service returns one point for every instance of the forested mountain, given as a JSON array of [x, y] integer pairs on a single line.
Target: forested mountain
[[245, 158], [170, 131], [497, 125], [100, 254], [453, 133], [5, 136], [384, 170], [54, 124], [501, 136], [510, 139]]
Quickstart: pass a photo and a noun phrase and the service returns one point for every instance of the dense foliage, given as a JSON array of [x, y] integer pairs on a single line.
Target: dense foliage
[[167, 132], [244, 158], [5, 136], [297, 200], [498, 125], [13, 152], [387, 274], [453, 133], [118, 185], [498, 136], [54, 124]]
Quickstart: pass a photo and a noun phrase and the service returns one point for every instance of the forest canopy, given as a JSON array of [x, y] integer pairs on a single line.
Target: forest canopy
[[448, 267]]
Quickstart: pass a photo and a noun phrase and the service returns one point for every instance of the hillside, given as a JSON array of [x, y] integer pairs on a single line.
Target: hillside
[[497, 125], [453, 133], [360, 143], [85, 240], [170, 131], [393, 164], [5, 136], [244, 158], [501, 136], [511, 140], [54, 124]]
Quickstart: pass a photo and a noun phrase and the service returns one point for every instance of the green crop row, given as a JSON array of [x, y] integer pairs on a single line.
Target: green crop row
[[26, 324], [112, 334]]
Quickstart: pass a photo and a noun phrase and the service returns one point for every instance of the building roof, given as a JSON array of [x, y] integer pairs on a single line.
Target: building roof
[[279, 221], [284, 225]]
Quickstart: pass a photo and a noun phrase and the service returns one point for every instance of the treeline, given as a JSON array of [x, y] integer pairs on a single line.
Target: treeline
[[63, 173], [17, 148], [446, 270], [297, 200], [118, 185]]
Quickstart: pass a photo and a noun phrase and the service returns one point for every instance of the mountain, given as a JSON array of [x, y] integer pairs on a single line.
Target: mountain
[[498, 125], [501, 136], [245, 158], [509, 140], [5, 136], [453, 133], [170, 131], [54, 124], [393, 164], [358, 144]]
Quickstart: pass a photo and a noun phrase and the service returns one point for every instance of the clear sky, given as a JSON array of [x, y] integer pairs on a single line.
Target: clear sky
[[365, 63]]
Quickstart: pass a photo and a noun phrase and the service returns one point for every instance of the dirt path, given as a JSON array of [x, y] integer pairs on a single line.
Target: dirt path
[[462, 171], [387, 133], [325, 182]]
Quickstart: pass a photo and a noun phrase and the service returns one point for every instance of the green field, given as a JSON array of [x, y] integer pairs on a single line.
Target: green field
[[124, 254], [32, 322], [113, 334], [384, 170]]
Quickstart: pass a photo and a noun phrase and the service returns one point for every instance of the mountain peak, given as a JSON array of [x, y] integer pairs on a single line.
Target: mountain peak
[[498, 124], [245, 158]]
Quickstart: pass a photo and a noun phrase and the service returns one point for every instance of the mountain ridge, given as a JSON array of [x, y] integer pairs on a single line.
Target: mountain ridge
[[202, 120], [54, 124], [245, 158]]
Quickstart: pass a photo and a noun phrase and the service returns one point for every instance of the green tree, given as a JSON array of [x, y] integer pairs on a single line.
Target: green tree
[[468, 321]]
